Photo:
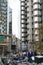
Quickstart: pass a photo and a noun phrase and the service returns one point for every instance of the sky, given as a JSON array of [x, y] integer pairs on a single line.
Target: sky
[[15, 5]]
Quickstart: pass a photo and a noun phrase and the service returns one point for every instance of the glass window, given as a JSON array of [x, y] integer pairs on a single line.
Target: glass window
[[22, 3], [37, 18], [36, 0], [22, 8], [36, 25], [36, 6], [37, 13]]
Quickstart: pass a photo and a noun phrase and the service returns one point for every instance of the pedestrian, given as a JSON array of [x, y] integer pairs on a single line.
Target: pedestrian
[[30, 54]]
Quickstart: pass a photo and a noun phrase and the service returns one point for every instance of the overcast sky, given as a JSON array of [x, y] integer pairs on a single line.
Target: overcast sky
[[15, 5]]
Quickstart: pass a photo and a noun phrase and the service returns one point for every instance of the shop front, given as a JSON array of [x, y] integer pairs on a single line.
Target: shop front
[[3, 48]]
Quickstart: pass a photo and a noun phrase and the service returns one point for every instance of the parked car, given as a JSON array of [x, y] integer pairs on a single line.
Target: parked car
[[37, 59]]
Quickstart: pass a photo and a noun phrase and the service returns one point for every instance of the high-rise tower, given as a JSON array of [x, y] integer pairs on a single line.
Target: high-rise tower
[[24, 22], [36, 18], [3, 10], [10, 21], [5, 28], [30, 20]]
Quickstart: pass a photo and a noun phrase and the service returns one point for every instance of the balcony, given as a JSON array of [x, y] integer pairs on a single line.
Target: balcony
[[37, 12], [24, 35], [37, 19], [36, 6], [24, 32], [34, 1], [24, 25], [22, 0], [24, 39], [22, 8], [36, 25], [22, 3], [36, 38], [35, 32]]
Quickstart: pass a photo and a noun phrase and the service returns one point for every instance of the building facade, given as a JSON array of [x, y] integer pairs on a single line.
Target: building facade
[[15, 44], [3, 13], [31, 17], [9, 27], [10, 21], [5, 23]]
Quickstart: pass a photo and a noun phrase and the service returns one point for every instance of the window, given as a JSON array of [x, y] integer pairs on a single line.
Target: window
[[0, 30]]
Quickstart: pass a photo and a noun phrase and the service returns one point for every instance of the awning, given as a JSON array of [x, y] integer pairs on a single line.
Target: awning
[[3, 44]]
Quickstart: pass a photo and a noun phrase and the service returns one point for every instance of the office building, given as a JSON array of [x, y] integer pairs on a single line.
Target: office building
[[31, 17], [4, 16], [5, 25], [3, 13], [10, 21]]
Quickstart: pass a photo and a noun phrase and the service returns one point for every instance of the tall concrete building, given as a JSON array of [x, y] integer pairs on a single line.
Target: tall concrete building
[[42, 9], [5, 19], [4, 16], [9, 28], [10, 21], [31, 17]]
